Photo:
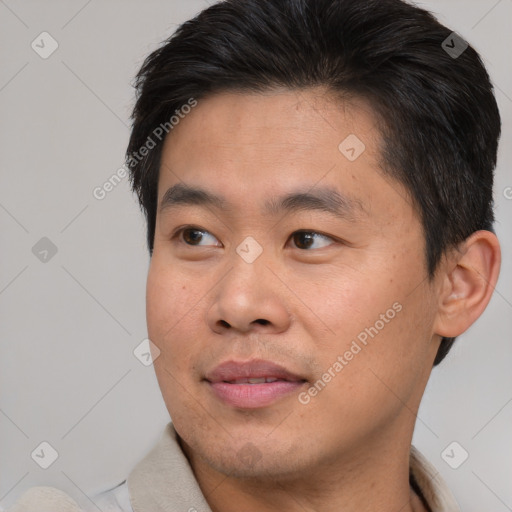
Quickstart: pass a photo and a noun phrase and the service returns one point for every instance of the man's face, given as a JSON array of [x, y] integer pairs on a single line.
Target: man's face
[[334, 305]]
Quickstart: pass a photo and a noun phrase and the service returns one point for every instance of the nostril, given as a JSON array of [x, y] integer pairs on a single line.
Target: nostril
[[262, 321]]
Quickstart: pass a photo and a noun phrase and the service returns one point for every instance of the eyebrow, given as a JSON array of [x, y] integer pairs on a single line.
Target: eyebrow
[[320, 198]]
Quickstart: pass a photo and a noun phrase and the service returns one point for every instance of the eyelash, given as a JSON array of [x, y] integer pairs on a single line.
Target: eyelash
[[180, 231]]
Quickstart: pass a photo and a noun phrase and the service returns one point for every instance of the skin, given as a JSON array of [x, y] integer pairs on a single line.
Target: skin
[[348, 447]]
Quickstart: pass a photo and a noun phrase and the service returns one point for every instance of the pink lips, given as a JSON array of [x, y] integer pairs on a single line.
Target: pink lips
[[252, 384]]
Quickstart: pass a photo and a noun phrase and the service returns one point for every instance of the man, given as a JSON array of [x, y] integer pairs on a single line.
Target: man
[[317, 181]]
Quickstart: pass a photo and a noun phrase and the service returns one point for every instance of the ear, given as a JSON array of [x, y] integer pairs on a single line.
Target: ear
[[468, 281]]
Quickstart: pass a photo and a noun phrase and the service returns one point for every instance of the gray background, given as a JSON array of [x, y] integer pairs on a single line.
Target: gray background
[[68, 326]]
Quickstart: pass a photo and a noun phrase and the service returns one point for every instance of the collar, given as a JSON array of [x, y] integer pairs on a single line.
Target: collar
[[163, 481]]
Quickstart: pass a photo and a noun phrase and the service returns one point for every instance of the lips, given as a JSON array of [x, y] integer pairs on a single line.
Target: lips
[[253, 380], [256, 369], [252, 384]]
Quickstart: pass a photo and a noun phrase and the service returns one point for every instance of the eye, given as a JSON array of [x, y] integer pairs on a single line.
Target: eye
[[194, 236], [306, 239]]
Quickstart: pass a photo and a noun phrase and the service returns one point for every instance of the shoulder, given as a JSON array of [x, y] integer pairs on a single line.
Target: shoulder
[[50, 499], [432, 487], [44, 499]]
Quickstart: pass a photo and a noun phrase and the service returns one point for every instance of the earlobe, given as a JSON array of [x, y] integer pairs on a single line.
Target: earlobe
[[469, 280]]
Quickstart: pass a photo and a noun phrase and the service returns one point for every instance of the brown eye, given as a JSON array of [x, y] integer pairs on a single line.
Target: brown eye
[[192, 236], [196, 237], [305, 239]]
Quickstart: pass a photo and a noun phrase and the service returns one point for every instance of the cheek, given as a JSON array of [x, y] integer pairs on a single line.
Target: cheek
[[173, 312], [364, 386], [170, 296], [379, 320], [339, 304], [395, 354]]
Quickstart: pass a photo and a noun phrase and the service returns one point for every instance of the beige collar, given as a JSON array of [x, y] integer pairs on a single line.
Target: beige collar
[[433, 488]]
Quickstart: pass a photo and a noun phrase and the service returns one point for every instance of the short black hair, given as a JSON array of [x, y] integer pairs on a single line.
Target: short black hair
[[439, 120]]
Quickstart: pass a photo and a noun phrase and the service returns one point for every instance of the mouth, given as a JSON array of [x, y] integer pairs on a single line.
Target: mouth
[[252, 384], [254, 380]]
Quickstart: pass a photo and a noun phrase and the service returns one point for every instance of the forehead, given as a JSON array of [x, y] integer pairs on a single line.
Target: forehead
[[249, 145], [298, 119]]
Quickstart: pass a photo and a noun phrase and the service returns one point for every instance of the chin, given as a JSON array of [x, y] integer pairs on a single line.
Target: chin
[[253, 460]]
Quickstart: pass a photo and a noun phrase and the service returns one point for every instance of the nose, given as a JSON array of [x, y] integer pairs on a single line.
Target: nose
[[249, 298]]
